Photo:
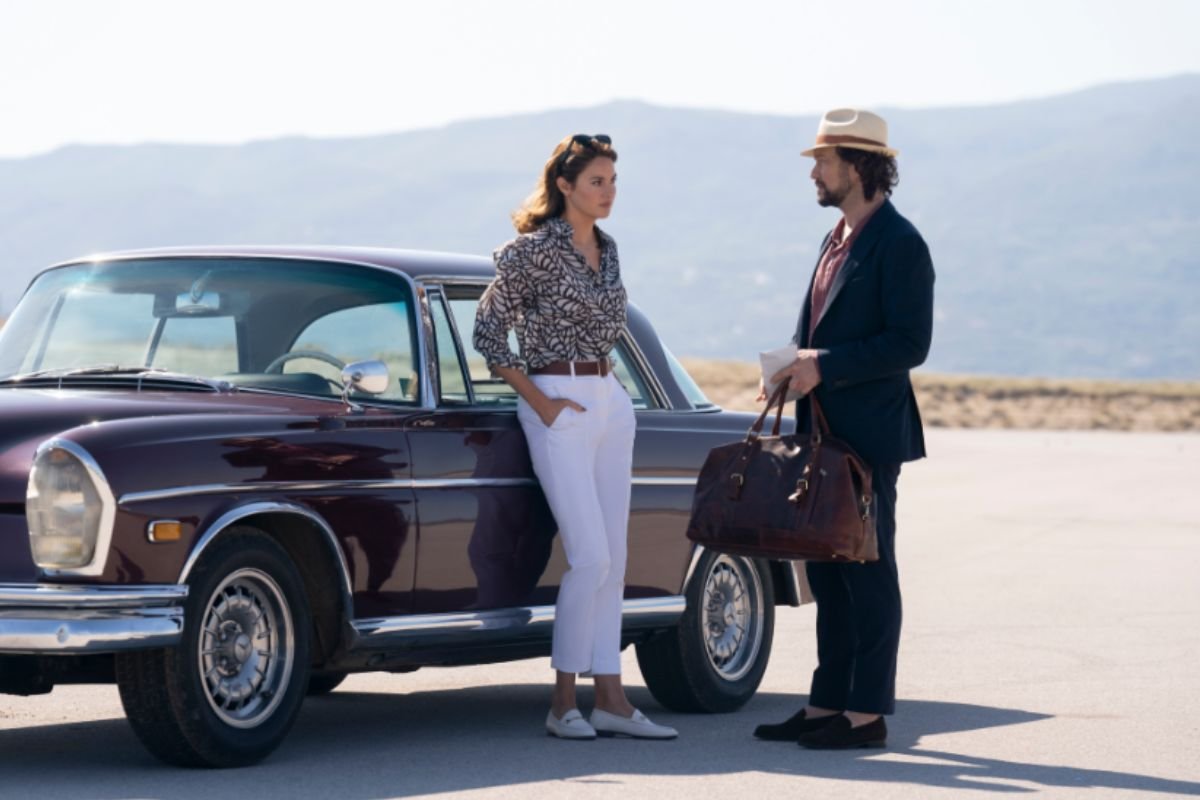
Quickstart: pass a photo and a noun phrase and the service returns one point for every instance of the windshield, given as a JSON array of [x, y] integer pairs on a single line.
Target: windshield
[[265, 323]]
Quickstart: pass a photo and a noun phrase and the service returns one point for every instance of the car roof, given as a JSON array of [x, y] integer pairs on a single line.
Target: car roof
[[414, 263]]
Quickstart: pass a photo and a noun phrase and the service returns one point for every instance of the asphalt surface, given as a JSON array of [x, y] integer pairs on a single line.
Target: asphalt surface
[[1051, 647]]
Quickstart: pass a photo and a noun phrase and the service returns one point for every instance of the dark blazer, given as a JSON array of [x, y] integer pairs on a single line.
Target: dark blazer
[[877, 325]]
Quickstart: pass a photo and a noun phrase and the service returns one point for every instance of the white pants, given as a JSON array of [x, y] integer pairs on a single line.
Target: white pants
[[584, 462]]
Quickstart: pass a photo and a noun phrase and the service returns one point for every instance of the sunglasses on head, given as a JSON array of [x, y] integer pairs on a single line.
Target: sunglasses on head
[[586, 140], [583, 140]]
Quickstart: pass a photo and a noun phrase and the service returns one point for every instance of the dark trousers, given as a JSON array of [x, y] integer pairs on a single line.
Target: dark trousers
[[858, 618]]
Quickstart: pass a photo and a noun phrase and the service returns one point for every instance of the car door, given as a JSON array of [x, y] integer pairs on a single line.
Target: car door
[[362, 453], [486, 535]]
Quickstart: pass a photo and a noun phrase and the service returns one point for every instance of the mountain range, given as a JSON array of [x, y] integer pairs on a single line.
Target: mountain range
[[1065, 230]]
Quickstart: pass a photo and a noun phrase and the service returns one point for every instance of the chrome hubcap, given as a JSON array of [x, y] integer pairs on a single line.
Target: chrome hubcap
[[731, 616], [246, 648]]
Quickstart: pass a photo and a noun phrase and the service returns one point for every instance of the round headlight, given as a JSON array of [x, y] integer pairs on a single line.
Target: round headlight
[[64, 507]]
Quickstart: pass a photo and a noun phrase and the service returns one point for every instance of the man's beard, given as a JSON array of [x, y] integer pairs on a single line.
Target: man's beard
[[827, 197]]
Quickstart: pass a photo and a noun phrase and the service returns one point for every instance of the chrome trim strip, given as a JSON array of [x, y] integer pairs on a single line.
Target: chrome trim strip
[[642, 613], [460, 483], [91, 631], [262, 487], [318, 486], [643, 366], [185, 253], [43, 595], [251, 509], [653, 607], [456, 342], [430, 387], [439, 624], [672, 480], [691, 570], [457, 280], [108, 508], [44, 618]]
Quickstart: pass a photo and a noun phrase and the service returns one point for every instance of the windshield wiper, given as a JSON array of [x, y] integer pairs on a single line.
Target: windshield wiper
[[65, 373], [93, 369]]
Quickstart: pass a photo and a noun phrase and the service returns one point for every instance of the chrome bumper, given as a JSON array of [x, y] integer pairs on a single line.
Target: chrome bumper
[[42, 618]]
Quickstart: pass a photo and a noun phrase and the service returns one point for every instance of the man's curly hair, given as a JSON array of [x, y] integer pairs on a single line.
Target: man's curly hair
[[879, 172]]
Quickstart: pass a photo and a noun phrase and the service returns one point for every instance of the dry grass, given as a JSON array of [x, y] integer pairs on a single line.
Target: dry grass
[[958, 401]]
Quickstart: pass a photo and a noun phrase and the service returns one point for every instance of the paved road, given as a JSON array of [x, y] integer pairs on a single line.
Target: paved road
[[1051, 646]]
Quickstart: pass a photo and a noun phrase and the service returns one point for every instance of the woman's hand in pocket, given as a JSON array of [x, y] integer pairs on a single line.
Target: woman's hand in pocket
[[554, 406]]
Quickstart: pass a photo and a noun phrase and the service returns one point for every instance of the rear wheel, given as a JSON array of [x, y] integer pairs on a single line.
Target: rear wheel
[[227, 695], [716, 657]]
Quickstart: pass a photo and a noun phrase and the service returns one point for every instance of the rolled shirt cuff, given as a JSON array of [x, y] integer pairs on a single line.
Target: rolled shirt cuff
[[511, 362]]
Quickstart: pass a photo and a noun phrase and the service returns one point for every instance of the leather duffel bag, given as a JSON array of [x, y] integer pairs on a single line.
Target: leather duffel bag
[[803, 496]]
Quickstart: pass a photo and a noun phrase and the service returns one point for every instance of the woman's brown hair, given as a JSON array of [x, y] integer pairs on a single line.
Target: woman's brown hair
[[570, 157]]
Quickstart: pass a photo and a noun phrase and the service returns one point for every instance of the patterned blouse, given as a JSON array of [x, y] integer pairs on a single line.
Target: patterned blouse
[[545, 290]]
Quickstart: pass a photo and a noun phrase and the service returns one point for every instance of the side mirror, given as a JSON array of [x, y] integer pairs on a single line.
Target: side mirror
[[363, 376], [366, 376]]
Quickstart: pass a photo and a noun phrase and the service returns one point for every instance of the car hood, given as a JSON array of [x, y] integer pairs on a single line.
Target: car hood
[[28, 417]]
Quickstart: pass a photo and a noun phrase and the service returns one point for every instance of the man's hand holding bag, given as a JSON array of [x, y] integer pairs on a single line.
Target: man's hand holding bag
[[803, 496]]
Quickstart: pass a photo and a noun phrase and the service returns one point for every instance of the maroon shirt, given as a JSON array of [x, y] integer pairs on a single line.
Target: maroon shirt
[[827, 270]]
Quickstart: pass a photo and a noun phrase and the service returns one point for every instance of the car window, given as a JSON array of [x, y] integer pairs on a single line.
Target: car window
[[196, 345], [630, 378], [488, 389], [485, 388], [260, 323], [451, 371], [686, 383], [375, 332], [68, 335]]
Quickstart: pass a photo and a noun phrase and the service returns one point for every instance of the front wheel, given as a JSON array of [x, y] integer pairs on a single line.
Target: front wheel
[[715, 659], [228, 693]]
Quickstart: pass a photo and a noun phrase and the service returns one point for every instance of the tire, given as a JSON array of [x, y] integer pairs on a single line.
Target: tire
[[324, 683], [216, 699], [708, 663]]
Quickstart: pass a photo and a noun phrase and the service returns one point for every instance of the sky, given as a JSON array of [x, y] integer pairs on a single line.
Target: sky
[[131, 71]]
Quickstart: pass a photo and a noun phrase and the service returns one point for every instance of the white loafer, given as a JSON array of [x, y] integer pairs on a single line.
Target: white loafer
[[638, 726], [571, 726]]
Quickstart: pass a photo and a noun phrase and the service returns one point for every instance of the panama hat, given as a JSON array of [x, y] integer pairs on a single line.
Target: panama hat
[[854, 128]]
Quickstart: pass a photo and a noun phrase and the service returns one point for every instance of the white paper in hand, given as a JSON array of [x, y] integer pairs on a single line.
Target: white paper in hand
[[774, 360]]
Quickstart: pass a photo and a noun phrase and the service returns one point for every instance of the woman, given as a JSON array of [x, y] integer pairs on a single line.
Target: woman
[[558, 285]]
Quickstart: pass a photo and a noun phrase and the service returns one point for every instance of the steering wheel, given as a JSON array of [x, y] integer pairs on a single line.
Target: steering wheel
[[276, 366]]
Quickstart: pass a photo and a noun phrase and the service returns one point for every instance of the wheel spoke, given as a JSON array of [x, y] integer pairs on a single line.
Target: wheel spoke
[[732, 603], [249, 608]]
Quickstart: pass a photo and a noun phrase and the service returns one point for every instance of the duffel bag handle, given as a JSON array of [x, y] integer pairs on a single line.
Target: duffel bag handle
[[820, 426], [775, 401]]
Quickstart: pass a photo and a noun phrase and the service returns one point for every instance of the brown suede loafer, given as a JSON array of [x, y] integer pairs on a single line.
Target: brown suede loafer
[[839, 735], [790, 729]]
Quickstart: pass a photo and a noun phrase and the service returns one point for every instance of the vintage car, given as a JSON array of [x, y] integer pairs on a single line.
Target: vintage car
[[232, 476]]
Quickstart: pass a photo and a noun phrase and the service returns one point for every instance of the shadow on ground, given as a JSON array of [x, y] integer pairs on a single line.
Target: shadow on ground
[[361, 746]]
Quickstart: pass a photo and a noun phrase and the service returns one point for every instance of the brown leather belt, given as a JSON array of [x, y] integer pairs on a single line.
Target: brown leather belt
[[601, 368]]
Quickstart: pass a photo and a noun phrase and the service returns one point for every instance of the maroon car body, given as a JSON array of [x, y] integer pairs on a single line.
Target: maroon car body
[[376, 530]]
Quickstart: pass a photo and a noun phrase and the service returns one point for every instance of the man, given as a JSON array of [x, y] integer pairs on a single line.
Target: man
[[865, 322]]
